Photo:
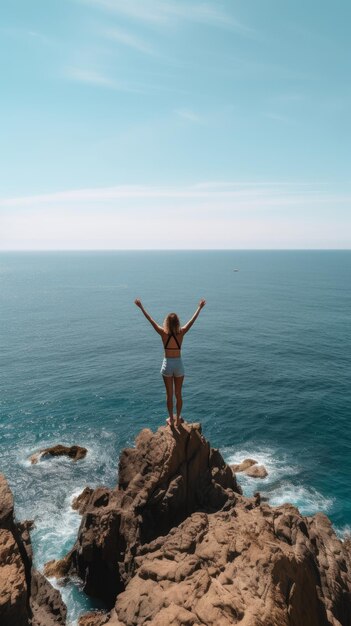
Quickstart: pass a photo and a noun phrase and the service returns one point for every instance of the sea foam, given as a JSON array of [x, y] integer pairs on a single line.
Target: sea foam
[[282, 484]]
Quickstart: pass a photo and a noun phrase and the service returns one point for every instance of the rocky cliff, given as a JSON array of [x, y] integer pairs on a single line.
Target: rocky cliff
[[176, 544], [26, 596]]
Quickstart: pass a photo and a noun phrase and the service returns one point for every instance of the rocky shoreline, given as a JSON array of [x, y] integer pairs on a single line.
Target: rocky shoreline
[[175, 543], [26, 596]]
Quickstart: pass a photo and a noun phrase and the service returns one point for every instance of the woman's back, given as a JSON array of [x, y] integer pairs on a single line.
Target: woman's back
[[172, 343]]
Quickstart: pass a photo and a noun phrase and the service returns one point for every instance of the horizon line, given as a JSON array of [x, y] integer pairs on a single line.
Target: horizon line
[[175, 250]]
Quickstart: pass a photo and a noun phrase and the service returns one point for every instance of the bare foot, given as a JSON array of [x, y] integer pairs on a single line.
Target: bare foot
[[179, 421], [170, 422]]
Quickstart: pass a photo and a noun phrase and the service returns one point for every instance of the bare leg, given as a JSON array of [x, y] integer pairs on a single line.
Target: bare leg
[[168, 380], [178, 382]]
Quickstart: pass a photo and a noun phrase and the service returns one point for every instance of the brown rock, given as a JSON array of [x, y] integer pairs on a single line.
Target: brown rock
[[253, 566], [250, 468], [95, 618], [244, 465], [73, 452], [166, 477], [81, 502], [26, 597], [180, 546], [57, 568], [13, 585], [46, 602], [6, 505], [256, 471]]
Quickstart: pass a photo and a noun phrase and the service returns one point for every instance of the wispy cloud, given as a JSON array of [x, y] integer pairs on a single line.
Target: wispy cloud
[[190, 116], [92, 77], [276, 117], [249, 194], [98, 79], [160, 11], [35, 35], [233, 215], [24, 33], [127, 39]]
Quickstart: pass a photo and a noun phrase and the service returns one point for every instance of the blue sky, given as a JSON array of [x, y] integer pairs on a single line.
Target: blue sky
[[174, 123]]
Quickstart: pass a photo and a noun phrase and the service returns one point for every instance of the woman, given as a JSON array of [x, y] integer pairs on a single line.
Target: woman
[[172, 369]]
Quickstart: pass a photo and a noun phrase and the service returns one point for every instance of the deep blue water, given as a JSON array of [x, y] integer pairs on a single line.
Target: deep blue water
[[267, 372]]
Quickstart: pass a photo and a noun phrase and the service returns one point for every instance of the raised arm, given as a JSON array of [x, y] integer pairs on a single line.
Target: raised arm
[[189, 324], [158, 328]]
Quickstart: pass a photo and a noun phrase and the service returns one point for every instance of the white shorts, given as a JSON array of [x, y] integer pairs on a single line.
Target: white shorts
[[172, 367]]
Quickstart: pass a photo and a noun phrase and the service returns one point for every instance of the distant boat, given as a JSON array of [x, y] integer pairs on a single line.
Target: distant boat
[[235, 269]]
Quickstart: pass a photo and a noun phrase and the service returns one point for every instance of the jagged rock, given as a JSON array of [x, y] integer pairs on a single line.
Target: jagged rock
[[26, 597], [13, 584], [73, 452], [165, 478], [179, 546], [45, 602], [81, 502], [57, 568], [257, 566], [95, 618]]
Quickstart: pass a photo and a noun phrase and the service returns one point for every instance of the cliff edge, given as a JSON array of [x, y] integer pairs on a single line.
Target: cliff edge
[[177, 544]]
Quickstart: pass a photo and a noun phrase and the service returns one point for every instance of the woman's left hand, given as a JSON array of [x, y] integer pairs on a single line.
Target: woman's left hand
[[138, 303]]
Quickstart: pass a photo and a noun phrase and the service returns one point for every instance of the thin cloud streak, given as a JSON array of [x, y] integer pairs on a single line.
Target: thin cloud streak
[[128, 40], [67, 231], [206, 196], [97, 79], [203, 190], [160, 11], [209, 215], [89, 76], [190, 116]]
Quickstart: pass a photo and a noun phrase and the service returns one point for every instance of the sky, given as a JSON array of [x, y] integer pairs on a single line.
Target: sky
[[171, 124]]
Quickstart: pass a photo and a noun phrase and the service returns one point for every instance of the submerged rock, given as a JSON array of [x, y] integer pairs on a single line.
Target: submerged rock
[[73, 452], [244, 465], [175, 543], [250, 468], [26, 597], [256, 471]]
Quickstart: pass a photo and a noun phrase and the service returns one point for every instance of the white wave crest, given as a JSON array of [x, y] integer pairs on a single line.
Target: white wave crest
[[307, 499], [281, 485]]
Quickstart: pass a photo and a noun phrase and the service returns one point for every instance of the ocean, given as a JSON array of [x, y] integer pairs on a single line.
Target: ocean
[[267, 368]]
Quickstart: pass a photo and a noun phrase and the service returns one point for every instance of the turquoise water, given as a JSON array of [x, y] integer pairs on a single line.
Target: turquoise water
[[267, 372]]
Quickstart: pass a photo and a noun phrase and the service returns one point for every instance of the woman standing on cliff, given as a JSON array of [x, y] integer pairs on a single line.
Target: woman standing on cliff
[[172, 370]]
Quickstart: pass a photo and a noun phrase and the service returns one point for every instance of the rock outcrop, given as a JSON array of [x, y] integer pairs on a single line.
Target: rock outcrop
[[73, 452], [244, 465], [176, 544], [26, 597], [250, 468], [163, 480], [252, 565]]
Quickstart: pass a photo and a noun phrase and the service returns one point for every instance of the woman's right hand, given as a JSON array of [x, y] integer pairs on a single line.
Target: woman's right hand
[[138, 303], [202, 303]]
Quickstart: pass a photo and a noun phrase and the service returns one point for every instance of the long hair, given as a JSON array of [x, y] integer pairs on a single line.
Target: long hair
[[171, 324]]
